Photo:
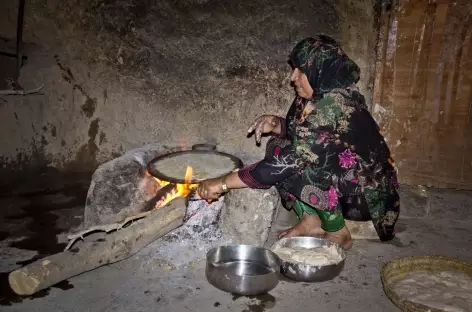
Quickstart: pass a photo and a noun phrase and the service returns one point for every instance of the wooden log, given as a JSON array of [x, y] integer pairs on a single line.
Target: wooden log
[[115, 247], [163, 191]]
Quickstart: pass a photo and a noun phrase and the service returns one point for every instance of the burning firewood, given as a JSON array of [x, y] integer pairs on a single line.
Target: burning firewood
[[129, 236]]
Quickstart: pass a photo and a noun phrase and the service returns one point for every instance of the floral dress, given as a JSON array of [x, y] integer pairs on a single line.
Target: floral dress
[[330, 158]]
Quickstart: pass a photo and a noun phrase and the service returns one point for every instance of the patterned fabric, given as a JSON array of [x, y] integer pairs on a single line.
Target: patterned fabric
[[333, 67], [332, 156]]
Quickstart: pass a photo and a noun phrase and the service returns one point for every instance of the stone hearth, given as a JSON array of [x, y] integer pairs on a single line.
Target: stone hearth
[[122, 187]]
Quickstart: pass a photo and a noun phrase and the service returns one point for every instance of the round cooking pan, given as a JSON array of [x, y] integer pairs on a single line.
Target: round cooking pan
[[199, 151]]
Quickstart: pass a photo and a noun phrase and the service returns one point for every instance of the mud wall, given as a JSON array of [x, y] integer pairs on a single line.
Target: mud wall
[[121, 74], [424, 94]]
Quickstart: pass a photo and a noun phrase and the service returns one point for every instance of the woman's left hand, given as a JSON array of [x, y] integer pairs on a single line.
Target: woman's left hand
[[210, 189]]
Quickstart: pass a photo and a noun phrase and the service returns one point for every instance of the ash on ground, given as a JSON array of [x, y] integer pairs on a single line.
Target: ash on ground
[[191, 241]]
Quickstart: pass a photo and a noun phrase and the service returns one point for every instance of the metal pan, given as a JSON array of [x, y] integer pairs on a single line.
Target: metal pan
[[237, 164]]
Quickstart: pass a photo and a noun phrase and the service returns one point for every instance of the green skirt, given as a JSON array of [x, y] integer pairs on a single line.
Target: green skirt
[[330, 221]]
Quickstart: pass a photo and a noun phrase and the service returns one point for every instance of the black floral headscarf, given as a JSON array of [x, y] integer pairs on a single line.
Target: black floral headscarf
[[325, 64]]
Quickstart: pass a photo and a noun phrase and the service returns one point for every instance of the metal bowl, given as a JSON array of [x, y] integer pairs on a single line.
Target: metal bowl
[[305, 272], [243, 269]]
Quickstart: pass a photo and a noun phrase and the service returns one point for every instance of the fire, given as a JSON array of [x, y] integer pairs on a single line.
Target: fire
[[180, 190]]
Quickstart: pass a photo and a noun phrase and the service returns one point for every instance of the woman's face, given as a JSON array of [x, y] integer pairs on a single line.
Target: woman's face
[[302, 86]]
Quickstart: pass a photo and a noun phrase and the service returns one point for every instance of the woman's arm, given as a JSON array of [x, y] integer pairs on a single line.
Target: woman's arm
[[280, 130], [310, 151], [233, 181], [214, 188], [274, 168]]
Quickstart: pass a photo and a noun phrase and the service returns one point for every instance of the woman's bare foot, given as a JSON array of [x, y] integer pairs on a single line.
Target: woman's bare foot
[[341, 237], [309, 226]]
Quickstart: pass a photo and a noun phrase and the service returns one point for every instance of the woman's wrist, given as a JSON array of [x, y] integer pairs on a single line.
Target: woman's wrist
[[278, 128], [224, 186], [232, 181]]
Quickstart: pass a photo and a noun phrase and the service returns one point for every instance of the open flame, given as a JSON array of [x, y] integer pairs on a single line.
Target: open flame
[[180, 190]]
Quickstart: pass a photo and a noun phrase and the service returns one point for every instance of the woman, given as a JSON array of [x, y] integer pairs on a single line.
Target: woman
[[327, 158]]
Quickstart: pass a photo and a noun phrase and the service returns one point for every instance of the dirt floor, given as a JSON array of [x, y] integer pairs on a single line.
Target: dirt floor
[[34, 213]]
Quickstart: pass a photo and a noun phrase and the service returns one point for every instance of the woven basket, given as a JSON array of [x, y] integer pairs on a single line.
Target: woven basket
[[396, 270]]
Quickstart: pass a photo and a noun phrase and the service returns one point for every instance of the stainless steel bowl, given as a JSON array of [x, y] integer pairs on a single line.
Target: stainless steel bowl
[[243, 269], [306, 272]]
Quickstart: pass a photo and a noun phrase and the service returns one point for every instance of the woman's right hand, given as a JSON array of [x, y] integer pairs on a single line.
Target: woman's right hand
[[265, 124]]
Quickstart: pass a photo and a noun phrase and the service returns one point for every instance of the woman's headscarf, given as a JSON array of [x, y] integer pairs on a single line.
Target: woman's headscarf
[[325, 64]]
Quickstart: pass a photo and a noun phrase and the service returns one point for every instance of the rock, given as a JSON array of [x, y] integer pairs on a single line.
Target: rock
[[284, 219], [247, 215], [361, 229], [121, 187]]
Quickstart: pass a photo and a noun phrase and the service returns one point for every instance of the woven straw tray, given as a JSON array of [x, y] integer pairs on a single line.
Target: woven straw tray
[[396, 270]]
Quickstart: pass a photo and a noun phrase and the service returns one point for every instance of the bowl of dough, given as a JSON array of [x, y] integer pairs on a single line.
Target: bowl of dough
[[309, 259]]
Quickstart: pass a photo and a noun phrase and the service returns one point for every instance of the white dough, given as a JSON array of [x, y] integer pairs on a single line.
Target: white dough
[[447, 291], [313, 256]]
